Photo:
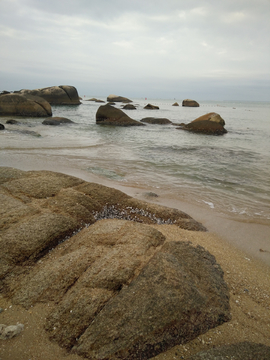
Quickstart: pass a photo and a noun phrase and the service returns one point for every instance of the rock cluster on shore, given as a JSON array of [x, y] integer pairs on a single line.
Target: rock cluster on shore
[[117, 288], [37, 103]]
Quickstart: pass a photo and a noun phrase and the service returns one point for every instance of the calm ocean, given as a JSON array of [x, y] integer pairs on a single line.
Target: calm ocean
[[229, 173]]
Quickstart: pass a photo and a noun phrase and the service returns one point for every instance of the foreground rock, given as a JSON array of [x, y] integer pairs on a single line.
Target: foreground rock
[[191, 103], [116, 98], [57, 121], [211, 123], [56, 95], [240, 351], [24, 105], [10, 331], [159, 121], [117, 288], [109, 115]]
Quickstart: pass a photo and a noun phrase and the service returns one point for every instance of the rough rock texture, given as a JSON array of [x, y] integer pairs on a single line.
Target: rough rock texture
[[191, 103], [159, 121], [57, 121], [117, 288], [109, 115], [116, 98], [151, 107], [56, 95], [24, 105], [238, 351], [211, 123]]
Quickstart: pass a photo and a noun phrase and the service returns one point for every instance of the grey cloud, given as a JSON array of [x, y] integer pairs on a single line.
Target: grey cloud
[[144, 42]]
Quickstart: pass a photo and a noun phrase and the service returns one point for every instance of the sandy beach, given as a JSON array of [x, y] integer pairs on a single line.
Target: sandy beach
[[240, 248]]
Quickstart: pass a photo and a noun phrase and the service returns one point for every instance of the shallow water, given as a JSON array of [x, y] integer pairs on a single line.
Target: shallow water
[[229, 173]]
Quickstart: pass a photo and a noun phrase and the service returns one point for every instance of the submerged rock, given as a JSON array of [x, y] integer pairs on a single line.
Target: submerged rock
[[117, 287], [109, 115], [191, 103], [129, 107], [159, 121], [57, 121]]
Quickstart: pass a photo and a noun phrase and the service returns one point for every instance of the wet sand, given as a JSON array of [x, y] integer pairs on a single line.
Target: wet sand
[[236, 246]]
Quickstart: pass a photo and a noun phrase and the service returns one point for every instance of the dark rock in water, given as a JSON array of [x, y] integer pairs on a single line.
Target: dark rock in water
[[2, 127], [159, 121], [150, 194], [12, 122], [151, 107], [24, 105], [129, 107], [109, 115], [239, 351], [191, 103], [211, 123], [57, 121], [99, 101], [111, 103], [116, 98], [118, 288], [56, 95], [175, 104]]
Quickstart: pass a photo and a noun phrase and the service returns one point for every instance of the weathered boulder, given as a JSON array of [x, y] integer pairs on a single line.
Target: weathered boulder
[[159, 121], [239, 351], [211, 123], [151, 107], [2, 127], [56, 95], [129, 107], [116, 98], [109, 115], [191, 103], [175, 104], [24, 105], [211, 117], [117, 287], [57, 121]]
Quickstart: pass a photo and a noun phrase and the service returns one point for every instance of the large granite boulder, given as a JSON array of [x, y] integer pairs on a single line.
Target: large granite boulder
[[24, 105], [211, 123], [159, 121], [118, 288], [239, 351], [190, 103], [56, 95], [56, 120], [117, 98], [109, 115]]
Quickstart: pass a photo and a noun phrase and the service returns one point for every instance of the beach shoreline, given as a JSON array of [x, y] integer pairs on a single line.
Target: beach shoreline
[[247, 235]]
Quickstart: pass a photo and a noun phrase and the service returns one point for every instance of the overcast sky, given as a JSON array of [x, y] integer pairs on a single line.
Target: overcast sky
[[206, 50]]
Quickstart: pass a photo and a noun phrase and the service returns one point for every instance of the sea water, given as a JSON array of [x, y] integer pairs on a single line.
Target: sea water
[[228, 173]]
